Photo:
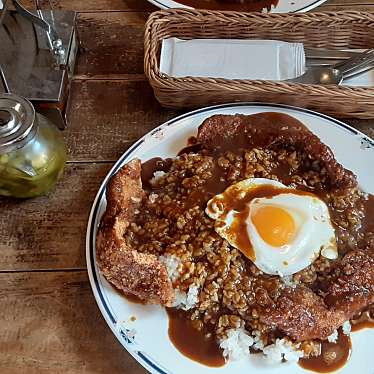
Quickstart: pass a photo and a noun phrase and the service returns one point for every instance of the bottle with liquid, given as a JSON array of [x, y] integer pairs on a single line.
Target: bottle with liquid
[[32, 151]]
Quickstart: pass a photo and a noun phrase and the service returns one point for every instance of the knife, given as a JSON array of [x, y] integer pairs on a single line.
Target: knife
[[331, 54]]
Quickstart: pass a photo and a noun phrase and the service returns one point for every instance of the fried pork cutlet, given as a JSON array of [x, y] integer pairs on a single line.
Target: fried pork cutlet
[[303, 315], [274, 131], [140, 274]]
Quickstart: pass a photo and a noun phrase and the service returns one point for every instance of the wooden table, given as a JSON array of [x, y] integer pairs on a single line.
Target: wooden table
[[49, 321]]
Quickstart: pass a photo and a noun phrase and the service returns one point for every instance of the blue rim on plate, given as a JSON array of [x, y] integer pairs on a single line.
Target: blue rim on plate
[[123, 334]]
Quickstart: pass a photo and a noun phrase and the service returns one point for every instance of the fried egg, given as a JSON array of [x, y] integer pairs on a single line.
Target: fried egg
[[282, 230]]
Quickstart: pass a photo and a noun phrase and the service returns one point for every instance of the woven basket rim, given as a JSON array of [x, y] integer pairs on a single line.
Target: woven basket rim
[[165, 80], [229, 14], [162, 83]]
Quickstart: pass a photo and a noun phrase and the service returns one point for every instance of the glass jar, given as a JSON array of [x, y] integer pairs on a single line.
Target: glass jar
[[32, 151]]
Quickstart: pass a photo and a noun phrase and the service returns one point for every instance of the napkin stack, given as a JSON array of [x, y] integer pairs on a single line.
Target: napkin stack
[[232, 59], [239, 59]]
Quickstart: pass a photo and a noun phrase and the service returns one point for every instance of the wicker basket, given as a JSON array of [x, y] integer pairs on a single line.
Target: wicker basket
[[319, 30]]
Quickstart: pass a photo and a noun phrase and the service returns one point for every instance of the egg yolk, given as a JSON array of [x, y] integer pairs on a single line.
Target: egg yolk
[[275, 225]]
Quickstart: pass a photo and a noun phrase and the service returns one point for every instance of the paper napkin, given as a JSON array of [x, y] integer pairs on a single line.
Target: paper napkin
[[232, 59]]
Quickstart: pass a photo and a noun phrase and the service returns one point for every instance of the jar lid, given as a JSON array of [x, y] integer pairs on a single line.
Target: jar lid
[[17, 117]]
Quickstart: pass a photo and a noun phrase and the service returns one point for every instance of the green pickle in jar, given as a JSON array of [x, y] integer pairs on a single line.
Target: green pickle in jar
[[34, 161]]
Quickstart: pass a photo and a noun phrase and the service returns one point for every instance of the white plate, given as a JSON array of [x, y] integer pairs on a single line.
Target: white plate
[[150, 344], [284, 6]]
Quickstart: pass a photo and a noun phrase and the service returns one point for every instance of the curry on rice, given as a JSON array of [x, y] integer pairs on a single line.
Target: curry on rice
[[156, 241]]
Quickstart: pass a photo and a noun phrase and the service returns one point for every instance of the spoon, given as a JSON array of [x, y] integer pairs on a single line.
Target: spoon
[[335, 73]]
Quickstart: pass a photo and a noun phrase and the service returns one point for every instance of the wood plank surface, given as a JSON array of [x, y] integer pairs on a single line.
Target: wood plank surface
[[49, 321], [112, 43], [49, 232], [50, 324], [141, 5], [365, 126], [106, 117], [94, 5]]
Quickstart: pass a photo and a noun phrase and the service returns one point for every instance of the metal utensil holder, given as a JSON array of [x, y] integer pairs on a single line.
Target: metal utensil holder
[[37, 56]]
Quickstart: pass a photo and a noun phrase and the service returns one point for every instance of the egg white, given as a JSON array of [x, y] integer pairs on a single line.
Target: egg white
[[315, 234]]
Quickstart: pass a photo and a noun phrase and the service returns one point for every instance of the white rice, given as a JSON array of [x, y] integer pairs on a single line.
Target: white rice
[[192, 296], [156, 175], [365, 195], [346, 328], [333, 338], [173, 265], [153, 197], [182, 300], [258, 342], [282, 350], [236, 345], [288, 281], [187, 300]]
